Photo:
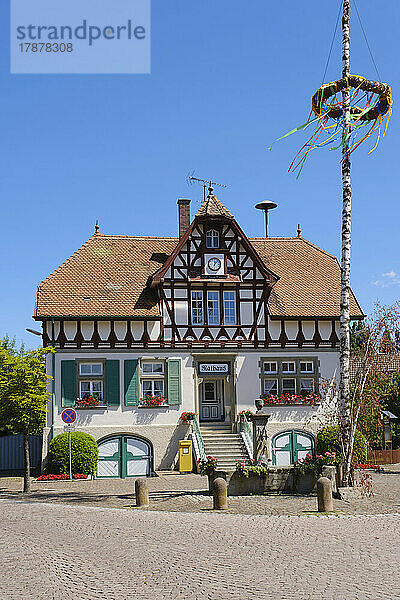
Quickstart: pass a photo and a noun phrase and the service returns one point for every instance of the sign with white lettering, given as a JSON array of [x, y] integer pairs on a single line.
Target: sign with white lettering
[[213, 368]]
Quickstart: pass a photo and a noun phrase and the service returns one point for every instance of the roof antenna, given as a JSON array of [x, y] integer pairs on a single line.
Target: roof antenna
[[266, 205], [96, 227], [205, 183]]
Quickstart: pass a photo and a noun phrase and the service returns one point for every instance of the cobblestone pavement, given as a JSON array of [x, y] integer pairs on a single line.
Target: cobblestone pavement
[[64, 552], [187, 493]]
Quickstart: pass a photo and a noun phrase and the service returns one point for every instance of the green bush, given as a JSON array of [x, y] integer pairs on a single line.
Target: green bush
[[85, 454], [328, 441]]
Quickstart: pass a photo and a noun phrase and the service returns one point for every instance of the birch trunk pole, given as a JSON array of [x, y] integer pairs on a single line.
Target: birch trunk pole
[[345, 409]]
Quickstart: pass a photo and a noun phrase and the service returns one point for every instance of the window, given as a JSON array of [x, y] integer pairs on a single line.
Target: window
[[213, 308], [270, 367], [91, 388], [212, 239], [153, 387], [295, 376], [152, 378], [288, 386], [306, 386], [197, 308], [271, 387], [90, 380], [95, 369], [153, 367], [229, 308]]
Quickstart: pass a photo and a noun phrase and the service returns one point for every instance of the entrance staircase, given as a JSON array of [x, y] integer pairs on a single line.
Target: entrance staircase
[[225, 446]]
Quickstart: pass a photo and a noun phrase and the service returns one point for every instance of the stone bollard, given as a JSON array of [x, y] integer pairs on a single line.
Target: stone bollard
[[324, 493], [141, 492], [220, 494]]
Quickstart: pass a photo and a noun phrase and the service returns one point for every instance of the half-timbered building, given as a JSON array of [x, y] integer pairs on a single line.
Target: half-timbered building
[[209, 321]]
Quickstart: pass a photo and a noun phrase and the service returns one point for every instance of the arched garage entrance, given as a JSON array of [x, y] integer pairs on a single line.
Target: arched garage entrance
[[289, 446], [124, 456]]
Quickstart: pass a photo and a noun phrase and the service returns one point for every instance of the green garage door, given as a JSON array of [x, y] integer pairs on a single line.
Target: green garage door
[[124, 456], [289, 446]]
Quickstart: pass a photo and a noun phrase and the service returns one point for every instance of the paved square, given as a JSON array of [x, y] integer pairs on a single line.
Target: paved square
[[59, 551]]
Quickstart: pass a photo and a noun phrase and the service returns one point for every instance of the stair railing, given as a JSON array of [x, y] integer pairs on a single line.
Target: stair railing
[[247, 434], [197, 439]]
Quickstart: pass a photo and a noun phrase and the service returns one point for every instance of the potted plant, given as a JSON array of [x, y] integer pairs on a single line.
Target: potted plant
[[150, 401], [187, 417], [308, 469], [87, 402]]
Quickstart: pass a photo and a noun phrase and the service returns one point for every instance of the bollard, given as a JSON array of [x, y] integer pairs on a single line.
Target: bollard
[[324, 493], [141, 492], [220, 494]]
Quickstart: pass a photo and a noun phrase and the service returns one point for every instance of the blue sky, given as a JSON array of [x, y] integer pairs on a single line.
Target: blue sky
[[227, 79]]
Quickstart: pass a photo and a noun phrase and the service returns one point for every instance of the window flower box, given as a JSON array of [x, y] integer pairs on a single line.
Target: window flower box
[[153, 402], [88, 403], [290, 400]]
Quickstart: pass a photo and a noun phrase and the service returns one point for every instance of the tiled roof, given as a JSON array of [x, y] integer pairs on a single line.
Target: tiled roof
[[309, 283], [212, 207], [108, 277]]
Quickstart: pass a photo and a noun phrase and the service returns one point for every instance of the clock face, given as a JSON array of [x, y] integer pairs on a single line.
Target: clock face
[[214, 264]]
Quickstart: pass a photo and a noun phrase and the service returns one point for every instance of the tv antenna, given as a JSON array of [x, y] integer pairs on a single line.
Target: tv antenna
[[206, 183]]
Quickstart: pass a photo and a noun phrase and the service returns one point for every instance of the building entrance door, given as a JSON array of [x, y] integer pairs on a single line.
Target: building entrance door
[[212, 400], [124, 456]]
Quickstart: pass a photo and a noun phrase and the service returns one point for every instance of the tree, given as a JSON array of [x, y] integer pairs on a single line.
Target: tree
[[371, 377], [23, 395]]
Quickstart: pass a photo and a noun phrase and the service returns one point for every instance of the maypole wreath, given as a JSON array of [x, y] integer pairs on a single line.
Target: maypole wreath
[[370, 105]]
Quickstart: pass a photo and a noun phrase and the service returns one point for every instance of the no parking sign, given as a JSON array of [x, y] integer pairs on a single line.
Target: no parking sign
[[69, 415]]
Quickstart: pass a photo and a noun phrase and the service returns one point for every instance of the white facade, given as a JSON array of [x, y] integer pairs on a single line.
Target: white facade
[[162, 426]]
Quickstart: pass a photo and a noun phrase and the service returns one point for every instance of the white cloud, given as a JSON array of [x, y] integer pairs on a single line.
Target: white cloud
[[389, 278]]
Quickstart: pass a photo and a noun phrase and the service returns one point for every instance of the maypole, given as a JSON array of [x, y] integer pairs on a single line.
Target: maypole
[[345, 409]]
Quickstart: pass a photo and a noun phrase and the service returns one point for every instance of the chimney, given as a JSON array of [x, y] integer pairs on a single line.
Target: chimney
[[184, 215]]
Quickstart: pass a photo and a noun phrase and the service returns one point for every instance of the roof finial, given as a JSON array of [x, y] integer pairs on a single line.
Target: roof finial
[[96, 227], [298, 230], [210, 189]]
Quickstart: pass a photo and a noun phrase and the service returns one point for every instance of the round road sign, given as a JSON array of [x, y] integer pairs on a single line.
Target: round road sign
[[68, 415]]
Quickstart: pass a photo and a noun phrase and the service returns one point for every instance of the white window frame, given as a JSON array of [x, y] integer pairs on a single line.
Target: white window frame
[[289, 371], [197, 307], [90, 364], [212, 238], [270, 362], [307, 362], [265, 391], [213, 304], [229, 307], [91, 392], [294, 392], [152, 377], [298, 375], [152, 386], [311, 390], [152, 364]]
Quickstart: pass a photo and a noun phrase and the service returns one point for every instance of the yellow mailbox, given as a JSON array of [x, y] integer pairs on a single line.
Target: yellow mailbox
[[185, 456]]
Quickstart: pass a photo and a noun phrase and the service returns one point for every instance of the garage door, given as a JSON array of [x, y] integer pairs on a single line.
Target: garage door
[[289, 446], [124, 456]]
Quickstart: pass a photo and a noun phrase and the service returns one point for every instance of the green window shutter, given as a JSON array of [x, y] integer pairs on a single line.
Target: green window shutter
[[131, 382], [112, 382], [68, 382], [174, 382]]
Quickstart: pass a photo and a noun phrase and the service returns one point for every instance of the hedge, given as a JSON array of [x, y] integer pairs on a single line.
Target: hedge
[[85, 454], [328, 440]]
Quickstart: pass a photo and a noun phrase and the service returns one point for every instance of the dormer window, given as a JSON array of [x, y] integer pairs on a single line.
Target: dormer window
[[212, 239]]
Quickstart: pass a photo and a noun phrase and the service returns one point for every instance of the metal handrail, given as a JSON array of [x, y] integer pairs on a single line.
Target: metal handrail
[[247, 434], [197, 438]]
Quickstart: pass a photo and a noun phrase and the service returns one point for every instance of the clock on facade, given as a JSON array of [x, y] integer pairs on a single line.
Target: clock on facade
[[214, 264]]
